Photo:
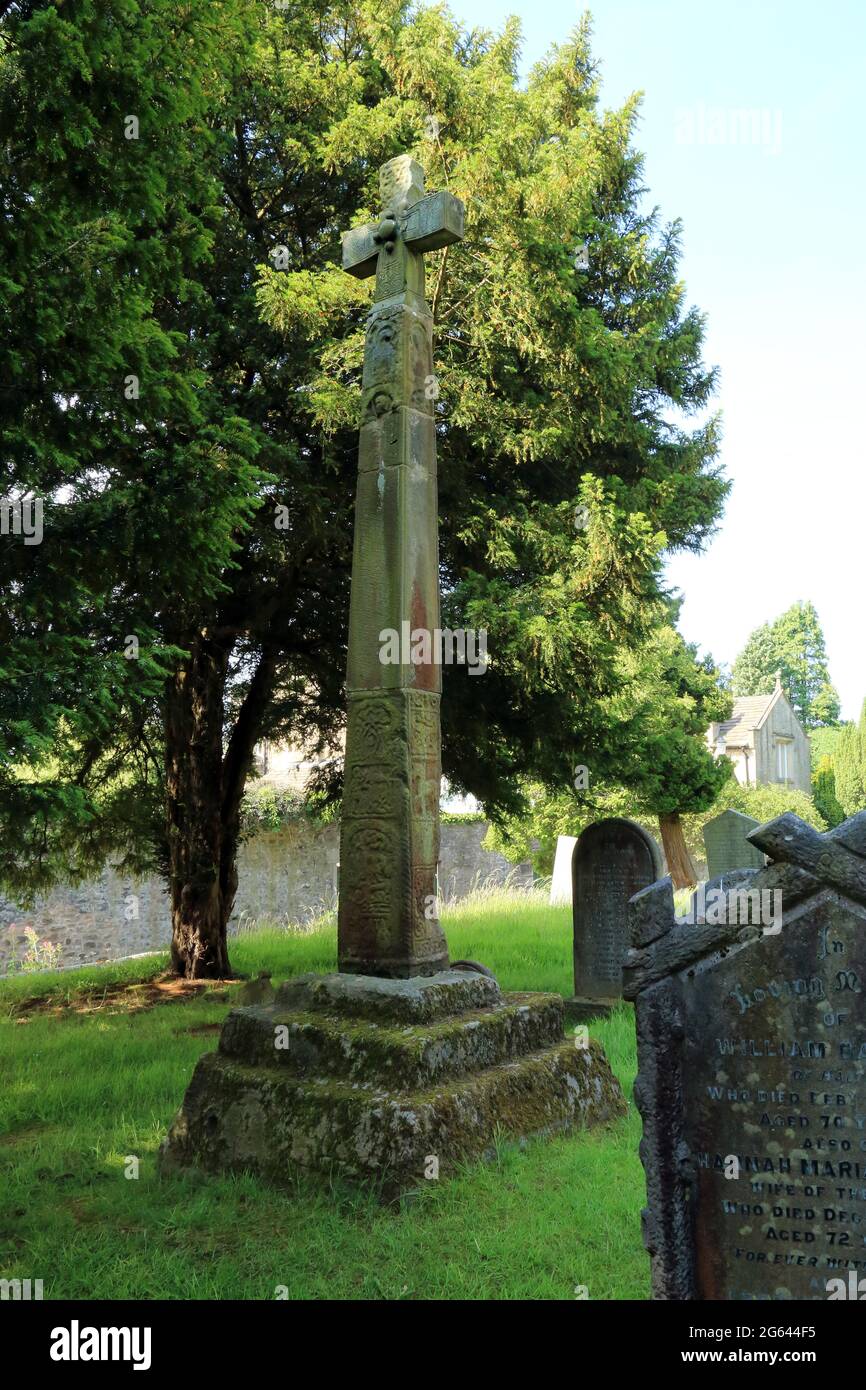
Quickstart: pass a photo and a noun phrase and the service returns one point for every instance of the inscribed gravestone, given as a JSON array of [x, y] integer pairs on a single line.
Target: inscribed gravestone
[[613, 859], [727, 844], [752, 1075]]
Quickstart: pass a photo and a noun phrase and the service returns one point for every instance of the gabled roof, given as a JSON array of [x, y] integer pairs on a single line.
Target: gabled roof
[[750, 711]]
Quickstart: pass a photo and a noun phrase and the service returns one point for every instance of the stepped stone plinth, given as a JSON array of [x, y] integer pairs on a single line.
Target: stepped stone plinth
[[372, 1078]]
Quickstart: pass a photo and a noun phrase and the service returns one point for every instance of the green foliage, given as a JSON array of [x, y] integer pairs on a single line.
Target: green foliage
[[559, 389], [823, 743], [670, 696], [531, 833], [849, 766], [103, 246], [824, 792], [267, 807], [839, 769], [667, 698], [794, 645], [534, 836], [762, 803], [40, 954]]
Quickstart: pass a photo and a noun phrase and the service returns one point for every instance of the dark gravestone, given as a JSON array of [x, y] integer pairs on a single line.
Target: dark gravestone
[[727, 845], [613, 859], [752, 1073]]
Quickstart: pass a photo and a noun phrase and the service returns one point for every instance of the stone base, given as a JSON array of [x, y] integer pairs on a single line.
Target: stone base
[[376, 1078], [579, 1010]]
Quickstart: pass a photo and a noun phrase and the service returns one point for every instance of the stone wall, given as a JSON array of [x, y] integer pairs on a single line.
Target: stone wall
[[289, 875], [464, 865]]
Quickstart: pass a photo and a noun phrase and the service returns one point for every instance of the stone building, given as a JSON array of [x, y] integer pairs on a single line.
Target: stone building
[[765, 741]]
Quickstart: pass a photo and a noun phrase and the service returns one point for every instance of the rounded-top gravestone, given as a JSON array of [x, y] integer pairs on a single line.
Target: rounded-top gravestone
[[613, 859]]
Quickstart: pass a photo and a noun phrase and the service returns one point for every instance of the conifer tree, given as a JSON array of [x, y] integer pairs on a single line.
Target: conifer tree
[[849, 767], [181, 385], [824, 792]]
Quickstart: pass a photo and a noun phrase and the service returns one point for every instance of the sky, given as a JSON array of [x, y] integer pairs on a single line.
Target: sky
[[774, 220]]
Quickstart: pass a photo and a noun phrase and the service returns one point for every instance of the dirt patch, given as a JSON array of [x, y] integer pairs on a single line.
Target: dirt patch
[[124, 997]]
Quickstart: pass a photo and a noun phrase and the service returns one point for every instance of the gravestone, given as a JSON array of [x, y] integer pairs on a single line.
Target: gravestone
[[613, 859], [396, 1068], [728, 846], [560, 883], [752, 1073]]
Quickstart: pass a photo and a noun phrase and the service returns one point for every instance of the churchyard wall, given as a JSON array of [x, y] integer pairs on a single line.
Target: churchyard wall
[[289, 875]]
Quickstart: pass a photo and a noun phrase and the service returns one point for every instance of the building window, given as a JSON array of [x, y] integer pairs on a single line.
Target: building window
[[782, 766]]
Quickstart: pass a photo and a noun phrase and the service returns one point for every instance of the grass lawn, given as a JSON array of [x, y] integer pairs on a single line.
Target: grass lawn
[[89, 1084]]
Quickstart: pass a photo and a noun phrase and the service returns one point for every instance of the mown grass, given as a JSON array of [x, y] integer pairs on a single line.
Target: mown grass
[[83, 1092]]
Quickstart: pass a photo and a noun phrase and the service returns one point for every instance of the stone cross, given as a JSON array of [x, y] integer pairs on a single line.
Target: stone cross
[[389, 838]]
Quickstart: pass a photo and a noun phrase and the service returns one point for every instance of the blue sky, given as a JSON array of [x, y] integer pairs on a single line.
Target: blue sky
[[774, 223]]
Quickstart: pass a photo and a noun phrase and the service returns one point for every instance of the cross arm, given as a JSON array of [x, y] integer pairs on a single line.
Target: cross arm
[[427, 225], [360, 251], [434, 221]]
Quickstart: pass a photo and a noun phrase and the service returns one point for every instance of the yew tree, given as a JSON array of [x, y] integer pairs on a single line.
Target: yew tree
[[663, 770], [181, 386]]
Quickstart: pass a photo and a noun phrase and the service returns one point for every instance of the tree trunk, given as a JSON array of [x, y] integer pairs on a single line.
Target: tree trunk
[[194, 719], [204, 792], [680, 867]]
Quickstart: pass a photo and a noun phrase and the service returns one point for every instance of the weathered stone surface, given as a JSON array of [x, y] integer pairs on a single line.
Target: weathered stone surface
[[372, 1076], [684, 940], [826, 857], [613, 860], [421, 999], [238, 1117], [435, 221], [727, 844], [651, 912], [258, 991], [411, 1057], [290, 874], [389, 848], [752, 1083]]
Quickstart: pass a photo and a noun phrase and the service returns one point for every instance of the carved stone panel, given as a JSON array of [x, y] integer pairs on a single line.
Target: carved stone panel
[[398, 361], [390, 835]]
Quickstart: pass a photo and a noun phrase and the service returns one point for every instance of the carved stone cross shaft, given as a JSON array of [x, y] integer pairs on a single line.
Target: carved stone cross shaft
[[389, 839]]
